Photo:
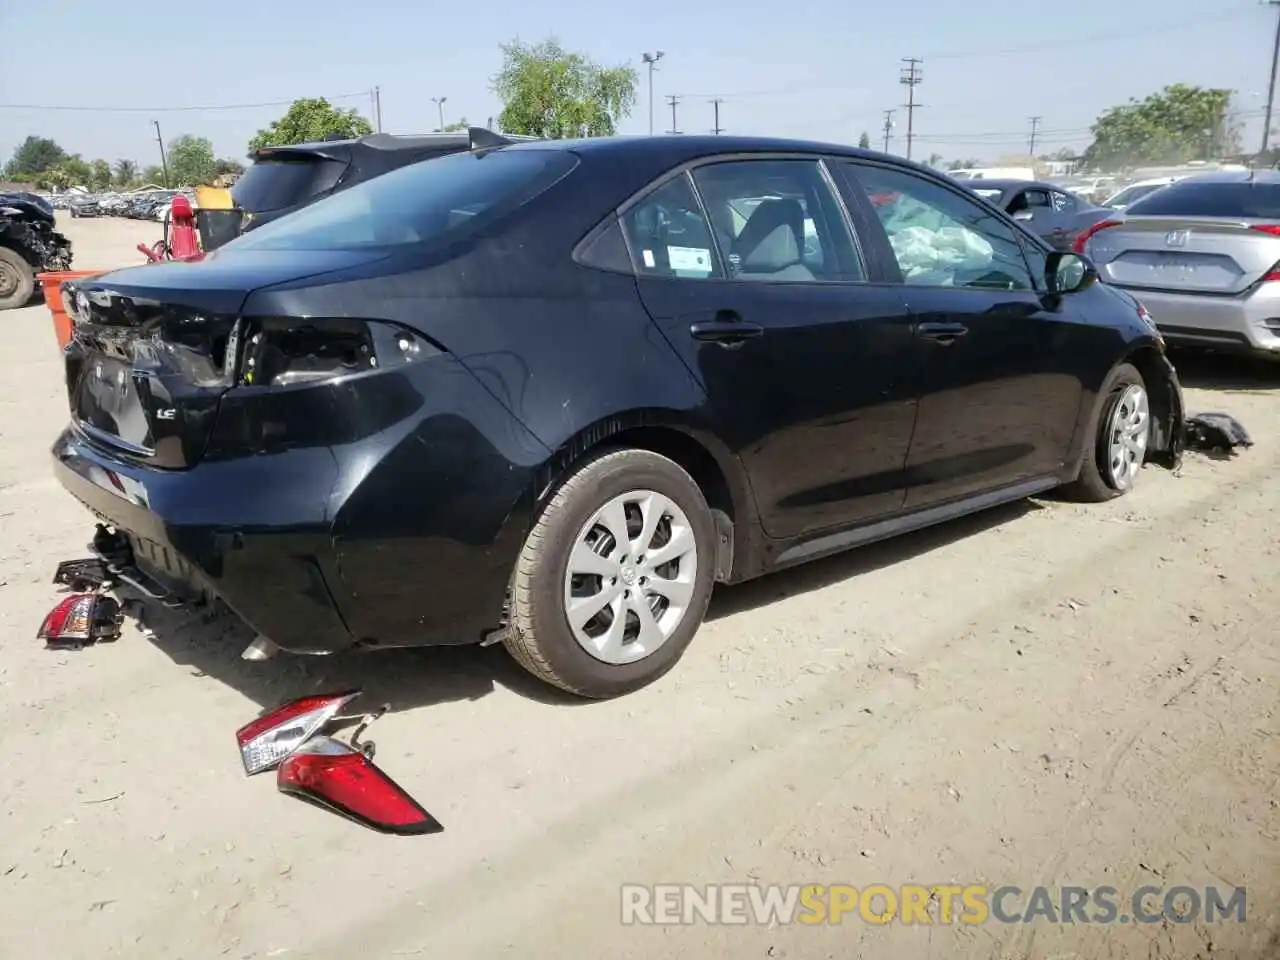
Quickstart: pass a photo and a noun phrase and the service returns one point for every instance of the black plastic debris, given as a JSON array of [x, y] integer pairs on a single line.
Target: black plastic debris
[[1218, 433]]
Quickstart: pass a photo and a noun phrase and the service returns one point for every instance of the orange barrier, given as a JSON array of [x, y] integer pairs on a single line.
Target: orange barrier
[[52, 286]]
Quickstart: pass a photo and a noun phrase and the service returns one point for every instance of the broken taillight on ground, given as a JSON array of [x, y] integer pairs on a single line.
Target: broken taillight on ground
[[324, 771], [273, 736], [338, 777], [81, 619]]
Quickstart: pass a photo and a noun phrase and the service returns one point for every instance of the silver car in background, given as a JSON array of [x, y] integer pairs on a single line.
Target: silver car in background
[[1203, 256]]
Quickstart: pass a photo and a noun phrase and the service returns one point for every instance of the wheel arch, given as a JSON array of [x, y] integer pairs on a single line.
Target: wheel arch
[[713, 467]]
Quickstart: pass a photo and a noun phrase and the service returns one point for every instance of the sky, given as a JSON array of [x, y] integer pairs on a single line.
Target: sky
[[94, 74]]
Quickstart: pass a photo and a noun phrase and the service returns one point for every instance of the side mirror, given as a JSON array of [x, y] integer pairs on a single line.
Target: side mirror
[[1024, 215], [1068, 272]]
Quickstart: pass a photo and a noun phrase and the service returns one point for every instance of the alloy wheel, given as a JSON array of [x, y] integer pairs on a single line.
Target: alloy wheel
[[1127, 432], [630, 577]]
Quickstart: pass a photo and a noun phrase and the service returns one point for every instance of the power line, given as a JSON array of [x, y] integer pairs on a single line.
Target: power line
[[1115, 35], [225, 106], [911, 78], [1031, 141]]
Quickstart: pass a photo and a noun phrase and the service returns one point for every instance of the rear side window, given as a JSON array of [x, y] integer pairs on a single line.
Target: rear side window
[[669, 235], [285, 181], [428, 201], [1189, 199]]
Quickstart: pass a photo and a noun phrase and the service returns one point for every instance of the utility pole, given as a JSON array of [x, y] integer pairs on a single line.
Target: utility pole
[[1031, 142], [439, 102], [652, 60], [164, 163], [377, 109], [910, 77], [715, 104], [1271, 87], [673, 100], [888, 128]]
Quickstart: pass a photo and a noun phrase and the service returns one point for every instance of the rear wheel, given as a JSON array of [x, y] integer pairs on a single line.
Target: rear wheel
[[17, 279], [1121, 435], [614, 578]]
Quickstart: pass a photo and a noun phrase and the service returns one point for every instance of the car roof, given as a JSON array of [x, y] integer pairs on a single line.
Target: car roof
[[674, 150], [1234, 176]]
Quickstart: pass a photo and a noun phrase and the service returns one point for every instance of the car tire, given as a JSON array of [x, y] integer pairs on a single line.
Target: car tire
[[20, 279], [1116, 449], [540, 636]]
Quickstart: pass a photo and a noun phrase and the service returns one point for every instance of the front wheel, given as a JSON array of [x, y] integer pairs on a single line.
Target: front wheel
[[17, 279], [614, 578], [1120, 436]]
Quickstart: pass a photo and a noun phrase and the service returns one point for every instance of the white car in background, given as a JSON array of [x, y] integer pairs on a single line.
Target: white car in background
[[1136, 191]]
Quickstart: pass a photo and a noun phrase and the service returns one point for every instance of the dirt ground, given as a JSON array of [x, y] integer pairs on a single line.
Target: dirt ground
[[1046, 694]]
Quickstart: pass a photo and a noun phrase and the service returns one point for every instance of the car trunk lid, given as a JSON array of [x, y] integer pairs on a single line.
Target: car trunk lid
[[154, 347], [1185, 254]]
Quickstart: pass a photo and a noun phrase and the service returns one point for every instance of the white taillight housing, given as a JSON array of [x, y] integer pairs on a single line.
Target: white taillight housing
[[271, 738], [81, 619]]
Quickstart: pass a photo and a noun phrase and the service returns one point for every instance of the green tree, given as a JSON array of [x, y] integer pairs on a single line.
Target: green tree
[[547, 91], [458, 127], [100, 175], [864, 141], [152, 174], [309, 120], [191, 161], [225, 165], [126, 172], [35, 155], [935, 159], [967, 164], [73, 172], [1180, 123]]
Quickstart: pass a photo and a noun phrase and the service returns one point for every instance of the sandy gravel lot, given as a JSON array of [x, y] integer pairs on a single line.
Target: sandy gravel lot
[[1049, 693]]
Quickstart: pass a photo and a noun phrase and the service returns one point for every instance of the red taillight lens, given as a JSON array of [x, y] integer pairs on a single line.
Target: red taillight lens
[[273, 736], [80, 619], [333, 775], [1271, 228], [1083, 236]]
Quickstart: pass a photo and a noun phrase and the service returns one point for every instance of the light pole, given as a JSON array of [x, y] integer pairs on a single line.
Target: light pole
[[652, 60], [439, 102]]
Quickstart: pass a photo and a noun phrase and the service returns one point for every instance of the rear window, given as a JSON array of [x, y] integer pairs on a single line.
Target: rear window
[[423, 201], [1187, 199], [271, 184]]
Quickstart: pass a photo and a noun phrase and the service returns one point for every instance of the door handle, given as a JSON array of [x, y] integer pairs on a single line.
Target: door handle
[[727, 333], [943, 333]]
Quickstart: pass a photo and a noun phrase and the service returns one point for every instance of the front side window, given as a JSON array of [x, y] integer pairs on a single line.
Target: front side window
[[669, 235], [778, 221], [940, 238]]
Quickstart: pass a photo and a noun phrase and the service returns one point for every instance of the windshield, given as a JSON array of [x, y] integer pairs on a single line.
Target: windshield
[[420, 202], [1245, 199]]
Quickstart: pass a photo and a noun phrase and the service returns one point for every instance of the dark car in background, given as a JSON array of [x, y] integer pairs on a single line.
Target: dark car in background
[[549, 393], [283, 179], [1203, 254], [1049, 211]]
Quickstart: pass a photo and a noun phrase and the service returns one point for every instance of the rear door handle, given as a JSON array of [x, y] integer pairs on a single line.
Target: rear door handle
[[727, 333], [943, 333]]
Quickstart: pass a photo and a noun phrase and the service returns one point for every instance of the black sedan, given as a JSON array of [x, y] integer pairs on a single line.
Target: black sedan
[[1056, 215], [549, 393]]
